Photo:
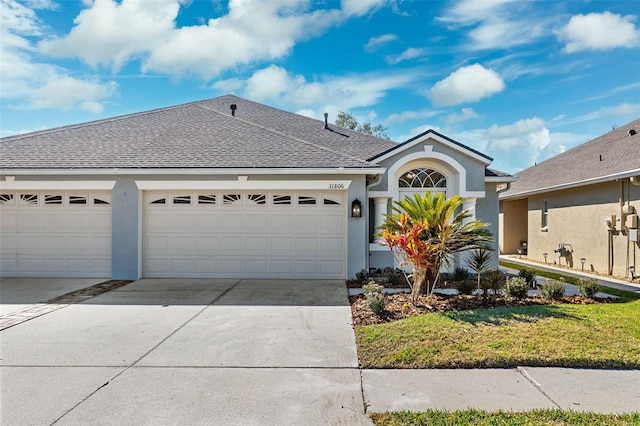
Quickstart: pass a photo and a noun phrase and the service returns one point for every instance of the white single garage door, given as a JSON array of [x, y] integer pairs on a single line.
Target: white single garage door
[[245, 234], [55, 234]]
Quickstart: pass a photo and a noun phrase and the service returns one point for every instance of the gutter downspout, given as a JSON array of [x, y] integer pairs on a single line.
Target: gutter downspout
[[508, 187]]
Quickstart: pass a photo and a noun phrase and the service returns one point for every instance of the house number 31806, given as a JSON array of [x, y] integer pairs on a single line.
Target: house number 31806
[[336, 186]]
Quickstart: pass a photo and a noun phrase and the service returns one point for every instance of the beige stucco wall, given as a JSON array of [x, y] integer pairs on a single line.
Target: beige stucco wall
[[513, 225], [577, 217]]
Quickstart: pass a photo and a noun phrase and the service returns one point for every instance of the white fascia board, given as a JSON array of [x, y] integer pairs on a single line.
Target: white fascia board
[[585, 182], [183, 172], [163, 185], [441, 140], [69, 185], [499, 179]]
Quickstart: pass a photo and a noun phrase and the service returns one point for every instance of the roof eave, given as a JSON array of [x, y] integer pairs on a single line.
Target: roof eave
[[569, 185], [194, 171]]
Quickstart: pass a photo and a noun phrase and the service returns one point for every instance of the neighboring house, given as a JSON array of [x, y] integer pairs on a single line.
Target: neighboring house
[[217, 188], [579, 208]]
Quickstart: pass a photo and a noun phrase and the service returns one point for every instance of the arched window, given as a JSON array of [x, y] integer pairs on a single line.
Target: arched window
[[421, 180]]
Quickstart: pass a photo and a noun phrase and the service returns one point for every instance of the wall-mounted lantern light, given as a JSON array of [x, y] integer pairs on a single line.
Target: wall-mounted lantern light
[[545, 257], [356, 208], [582, 260]]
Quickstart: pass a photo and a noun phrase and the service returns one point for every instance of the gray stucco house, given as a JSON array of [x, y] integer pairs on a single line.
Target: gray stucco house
[[579, 208], [223, 187]]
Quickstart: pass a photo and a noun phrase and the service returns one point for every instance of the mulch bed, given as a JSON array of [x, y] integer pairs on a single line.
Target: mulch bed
[[399, 305]]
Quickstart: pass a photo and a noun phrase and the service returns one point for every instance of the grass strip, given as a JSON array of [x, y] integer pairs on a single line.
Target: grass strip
[[500, 418], [579, 336]]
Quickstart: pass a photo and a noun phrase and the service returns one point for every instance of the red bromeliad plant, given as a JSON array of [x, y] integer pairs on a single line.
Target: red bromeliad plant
[[424, 232]]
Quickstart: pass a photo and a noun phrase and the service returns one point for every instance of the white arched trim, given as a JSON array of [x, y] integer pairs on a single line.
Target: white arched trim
[[429, 154]]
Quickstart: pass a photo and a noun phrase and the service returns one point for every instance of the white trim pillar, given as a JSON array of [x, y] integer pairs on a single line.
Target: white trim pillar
[[379, 210], [470, 204]]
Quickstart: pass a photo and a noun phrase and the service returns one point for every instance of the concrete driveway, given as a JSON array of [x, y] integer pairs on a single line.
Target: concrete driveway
[[187, 352]]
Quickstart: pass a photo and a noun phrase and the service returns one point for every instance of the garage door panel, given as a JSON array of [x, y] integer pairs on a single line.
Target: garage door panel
[[258, 223], [207, 245], [206, 222], [333, 223], [78, 265], [282, 267], [256, 244], [53, 265], [8, 244], [231, 223], [277, 235], [29, 222], [180, 266], [333, 245], [231, 266], [53, 244], [307, 244], [307, 267], [281, 244], [9, 222]]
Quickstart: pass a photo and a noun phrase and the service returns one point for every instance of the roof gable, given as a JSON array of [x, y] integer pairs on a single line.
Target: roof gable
[[613, 155], [470, 152], [202, 134]]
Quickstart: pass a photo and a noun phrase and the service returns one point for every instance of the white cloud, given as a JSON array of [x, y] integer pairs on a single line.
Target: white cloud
[[624, 111], [375, 42], [496, 24], [408, 54], [410, 116], [111, 33], [599, 31], [360, 90], [28, 84], [526, 134], [464, 115], [467, 84]]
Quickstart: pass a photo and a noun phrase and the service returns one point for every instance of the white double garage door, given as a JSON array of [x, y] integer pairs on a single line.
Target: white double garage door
[[245, 234], [278, 234]]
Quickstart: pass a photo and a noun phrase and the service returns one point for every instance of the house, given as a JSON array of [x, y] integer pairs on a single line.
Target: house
[[223, 187], [579, 208]]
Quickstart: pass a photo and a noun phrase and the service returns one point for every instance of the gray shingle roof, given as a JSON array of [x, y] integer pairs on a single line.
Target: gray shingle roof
[[613, 154], [200, 134]]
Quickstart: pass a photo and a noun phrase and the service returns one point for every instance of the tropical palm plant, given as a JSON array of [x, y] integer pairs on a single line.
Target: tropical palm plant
[[479, 260], [426, 231]]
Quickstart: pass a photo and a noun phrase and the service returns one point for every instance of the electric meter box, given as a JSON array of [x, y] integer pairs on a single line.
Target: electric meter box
[[633, 235]]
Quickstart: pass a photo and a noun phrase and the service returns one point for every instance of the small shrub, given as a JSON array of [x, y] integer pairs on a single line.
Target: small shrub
[[362, 276], [588, 287], [516, 287], [553, 290], [528, 275], [396, 279], [374, 294], [460, 274], [466, 286], [492, 280]]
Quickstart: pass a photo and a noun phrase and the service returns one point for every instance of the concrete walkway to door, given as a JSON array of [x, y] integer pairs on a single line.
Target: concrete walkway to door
[[172, 351]]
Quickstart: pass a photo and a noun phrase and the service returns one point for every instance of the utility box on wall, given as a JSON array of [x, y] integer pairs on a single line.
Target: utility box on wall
[[633, 235], [632, 221]]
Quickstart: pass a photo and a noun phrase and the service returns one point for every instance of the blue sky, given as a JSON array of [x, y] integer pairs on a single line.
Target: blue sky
[[520, 81]]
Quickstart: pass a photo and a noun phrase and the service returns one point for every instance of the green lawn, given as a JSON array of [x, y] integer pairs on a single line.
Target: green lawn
[[603, 335], [500, 418]]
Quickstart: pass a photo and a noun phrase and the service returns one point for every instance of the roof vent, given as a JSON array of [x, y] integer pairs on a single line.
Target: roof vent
[[326, 118], [632, 132], [233, 109]]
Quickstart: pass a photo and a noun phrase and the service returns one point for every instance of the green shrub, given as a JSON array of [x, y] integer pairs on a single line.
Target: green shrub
[[466, 286], [528, 275], [362, 276], [396, 279], [588, 287], [492, 280], [374, 294], [553, 290], [460, 274], [516, 287]]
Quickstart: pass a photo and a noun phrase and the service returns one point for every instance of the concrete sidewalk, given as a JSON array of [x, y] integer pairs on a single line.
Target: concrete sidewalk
[[520, 389]]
